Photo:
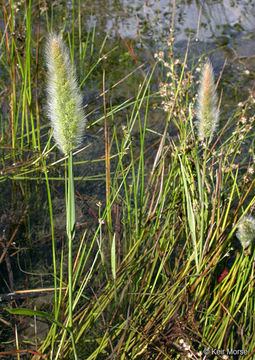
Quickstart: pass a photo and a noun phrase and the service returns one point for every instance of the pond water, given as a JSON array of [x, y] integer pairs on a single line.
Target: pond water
[[230, 24], [152, 19], [224, 29]]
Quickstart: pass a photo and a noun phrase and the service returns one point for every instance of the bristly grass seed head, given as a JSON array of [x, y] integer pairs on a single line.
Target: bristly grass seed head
[[207, 111], [246, 231], [64, 100]]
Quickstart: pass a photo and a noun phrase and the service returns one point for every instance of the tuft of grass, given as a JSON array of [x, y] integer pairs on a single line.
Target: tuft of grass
[[158, 273]]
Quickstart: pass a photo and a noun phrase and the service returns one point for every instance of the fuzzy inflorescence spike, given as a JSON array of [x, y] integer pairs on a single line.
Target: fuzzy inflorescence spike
[[207, 111], [64, 101], [246, 231]]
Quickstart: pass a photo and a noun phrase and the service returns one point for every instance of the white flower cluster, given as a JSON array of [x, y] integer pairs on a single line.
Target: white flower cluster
[[189, 353]]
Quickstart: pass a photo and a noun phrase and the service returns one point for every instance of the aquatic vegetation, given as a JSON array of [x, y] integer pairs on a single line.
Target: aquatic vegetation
[[137, 275]]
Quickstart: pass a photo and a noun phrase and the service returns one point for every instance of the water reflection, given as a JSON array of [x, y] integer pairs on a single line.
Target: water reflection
[[131, 18]]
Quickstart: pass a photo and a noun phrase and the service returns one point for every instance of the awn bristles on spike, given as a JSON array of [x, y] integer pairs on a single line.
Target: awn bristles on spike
[[64, 98], [207, 111], [246, 231]]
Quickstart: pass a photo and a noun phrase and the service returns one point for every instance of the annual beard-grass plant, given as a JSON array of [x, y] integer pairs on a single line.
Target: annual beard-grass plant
[[68, 121], [207, 113]]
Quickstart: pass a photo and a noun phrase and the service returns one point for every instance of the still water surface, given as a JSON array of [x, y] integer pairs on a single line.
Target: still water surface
[[225, 29]]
